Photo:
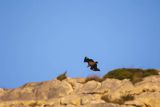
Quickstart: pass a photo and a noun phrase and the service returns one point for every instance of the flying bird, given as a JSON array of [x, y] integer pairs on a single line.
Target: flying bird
[[92, 64]]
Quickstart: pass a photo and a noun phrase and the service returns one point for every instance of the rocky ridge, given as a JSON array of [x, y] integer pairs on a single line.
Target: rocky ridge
[[76, 92]]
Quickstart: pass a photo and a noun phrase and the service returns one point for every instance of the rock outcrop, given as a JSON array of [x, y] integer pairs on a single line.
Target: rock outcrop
[[75, 92]]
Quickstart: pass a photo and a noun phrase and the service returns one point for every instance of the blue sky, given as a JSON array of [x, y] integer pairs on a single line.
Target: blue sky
[[40, 39]]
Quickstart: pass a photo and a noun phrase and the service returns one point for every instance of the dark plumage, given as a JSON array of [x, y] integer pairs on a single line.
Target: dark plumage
[[92, 64]]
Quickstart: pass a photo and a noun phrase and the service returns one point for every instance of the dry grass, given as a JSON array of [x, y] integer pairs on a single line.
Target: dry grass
[[120, 101], [34, 104], [94, 77], [62, 76]]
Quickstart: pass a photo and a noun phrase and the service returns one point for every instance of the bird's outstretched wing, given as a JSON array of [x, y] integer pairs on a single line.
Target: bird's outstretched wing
[[94, 68], [86, 59]]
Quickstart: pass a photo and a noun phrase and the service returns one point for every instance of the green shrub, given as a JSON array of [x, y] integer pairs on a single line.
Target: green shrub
[[119, 74], [149, 72], [134, 74]]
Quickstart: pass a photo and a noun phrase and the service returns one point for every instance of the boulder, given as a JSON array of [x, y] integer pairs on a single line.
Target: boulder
[[75, 92], [39, 91], [89, 87], [108, 105]]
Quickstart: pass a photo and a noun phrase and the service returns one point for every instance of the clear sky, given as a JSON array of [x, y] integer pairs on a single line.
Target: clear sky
[[40, 39]]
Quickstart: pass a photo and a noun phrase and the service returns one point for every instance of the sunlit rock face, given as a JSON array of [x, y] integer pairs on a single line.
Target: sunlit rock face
[[76, 92]]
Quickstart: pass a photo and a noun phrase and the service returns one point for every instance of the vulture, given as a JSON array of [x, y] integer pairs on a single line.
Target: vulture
[[92, 64]]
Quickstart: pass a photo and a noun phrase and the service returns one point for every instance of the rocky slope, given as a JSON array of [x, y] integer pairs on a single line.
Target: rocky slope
[[75, 92]]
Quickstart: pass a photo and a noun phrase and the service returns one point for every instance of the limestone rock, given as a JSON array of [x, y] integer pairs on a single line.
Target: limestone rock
[[75, 92], [90, 87], [71, 100], [149, 84], [2, 91], [39, 91], [75, 83], [146, 99], [107, 105], [121, 89]]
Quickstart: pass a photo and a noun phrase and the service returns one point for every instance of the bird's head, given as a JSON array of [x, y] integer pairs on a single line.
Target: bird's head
[[86, 59]]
